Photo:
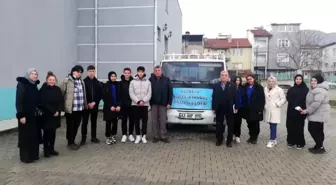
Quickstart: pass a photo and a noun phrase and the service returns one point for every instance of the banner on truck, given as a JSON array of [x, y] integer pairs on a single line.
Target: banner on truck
[[192, 98]]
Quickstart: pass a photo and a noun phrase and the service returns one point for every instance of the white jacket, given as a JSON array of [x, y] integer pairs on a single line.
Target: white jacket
[[275, 99], [140, 90]]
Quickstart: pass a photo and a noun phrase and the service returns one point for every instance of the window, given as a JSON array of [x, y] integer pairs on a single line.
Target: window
[[282, 43], [282, 28], [194, 52], [167, 5], [237, 52], [326, 65], [159, 34], [282, 58], [334, 51], [288, 28]]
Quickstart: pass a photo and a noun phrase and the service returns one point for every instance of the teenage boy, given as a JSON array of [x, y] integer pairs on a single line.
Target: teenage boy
[[94, 95]]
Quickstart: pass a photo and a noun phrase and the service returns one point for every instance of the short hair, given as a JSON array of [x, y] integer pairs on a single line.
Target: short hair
[[157, 67], [127, 69], [91, 67], [141, 68]]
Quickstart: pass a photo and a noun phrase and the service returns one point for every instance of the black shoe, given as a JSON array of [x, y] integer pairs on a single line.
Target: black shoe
[[254, 141], [27, 161], [290, 145], [312, 149], [229, 145], [54, 153], [47, 154], [318, 151], [166, 140], [299, 147], [219, 143], [249, 140], [73, 147], [83, 142], [95, 140], [155, 140]]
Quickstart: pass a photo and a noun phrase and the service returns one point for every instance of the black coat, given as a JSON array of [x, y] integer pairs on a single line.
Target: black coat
[[162, 91], [125, 98], [27, 99], [224, 99], [109, 102], [296, 96], [51, 101], [94, 91], [253, 109]]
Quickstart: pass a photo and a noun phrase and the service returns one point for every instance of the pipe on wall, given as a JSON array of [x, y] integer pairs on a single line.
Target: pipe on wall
[[96, 37], [155, 33]]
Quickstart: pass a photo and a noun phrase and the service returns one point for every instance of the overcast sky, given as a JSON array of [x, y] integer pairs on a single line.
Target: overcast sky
[[234, 17]]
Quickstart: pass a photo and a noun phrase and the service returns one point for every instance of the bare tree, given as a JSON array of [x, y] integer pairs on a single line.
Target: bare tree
[[303, 49]]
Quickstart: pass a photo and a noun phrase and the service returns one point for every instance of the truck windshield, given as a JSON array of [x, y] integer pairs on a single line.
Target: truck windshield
[[192, 71]]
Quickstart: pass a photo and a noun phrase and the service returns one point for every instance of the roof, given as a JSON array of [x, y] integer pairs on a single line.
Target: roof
[[225, 44], [192, 38], [327, 45], [261, 33], [279, 24]]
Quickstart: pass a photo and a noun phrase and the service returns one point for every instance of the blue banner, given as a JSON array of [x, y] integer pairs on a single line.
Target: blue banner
[[192, 98]]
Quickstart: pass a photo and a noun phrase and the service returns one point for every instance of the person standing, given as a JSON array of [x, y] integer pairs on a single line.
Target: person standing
[[51, 102], [94, 93], [75, 103], [140, 91], [317, 102], [111, 98], [296, 97], [223, 104], [162, 97], [237, 118], [275, 99], [126, 110], [26, 103], [254, 103]]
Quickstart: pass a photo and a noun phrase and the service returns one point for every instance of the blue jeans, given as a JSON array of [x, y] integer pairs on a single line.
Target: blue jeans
[[273, 129]]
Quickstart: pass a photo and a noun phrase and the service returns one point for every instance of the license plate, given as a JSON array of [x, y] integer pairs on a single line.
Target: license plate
[[190, 116]]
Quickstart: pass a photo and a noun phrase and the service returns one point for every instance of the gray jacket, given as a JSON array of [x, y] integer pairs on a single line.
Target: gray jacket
[[317, 101], [140, 90]]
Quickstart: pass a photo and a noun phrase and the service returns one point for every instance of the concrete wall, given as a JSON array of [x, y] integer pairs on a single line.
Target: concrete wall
[[34, 33]]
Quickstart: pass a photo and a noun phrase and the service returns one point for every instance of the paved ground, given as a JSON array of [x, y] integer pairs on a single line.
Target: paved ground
[[191, 158]]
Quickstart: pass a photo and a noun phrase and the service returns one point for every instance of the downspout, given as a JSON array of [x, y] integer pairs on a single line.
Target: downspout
[[155, 33], [96, 38]]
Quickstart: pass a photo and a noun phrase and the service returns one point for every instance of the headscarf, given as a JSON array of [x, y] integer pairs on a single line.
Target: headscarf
[[303, 84], [110, 74], [275, 82], [27, 75]]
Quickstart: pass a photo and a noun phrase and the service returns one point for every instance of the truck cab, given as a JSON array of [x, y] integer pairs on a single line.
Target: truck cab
[[192, 77]]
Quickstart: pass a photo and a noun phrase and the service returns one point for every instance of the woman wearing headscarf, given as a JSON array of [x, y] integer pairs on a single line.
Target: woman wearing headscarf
[[296, 97], [51, 103], [238, 109], [275, 98], [111, 98], [27, 98], [317, 103]]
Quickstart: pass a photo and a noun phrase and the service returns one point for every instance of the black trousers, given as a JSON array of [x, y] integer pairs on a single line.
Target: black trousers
[[126, 116], [254, 129], [49, 137], [73, 122], [316, 131], [237, 124], [220, 127], [93, 114], [295, 132], [140, 113], [111, 127]]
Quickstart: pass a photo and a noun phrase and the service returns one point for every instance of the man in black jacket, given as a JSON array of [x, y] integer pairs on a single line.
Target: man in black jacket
[[94, 95], [126, 108], [162, 95], [223, 101]]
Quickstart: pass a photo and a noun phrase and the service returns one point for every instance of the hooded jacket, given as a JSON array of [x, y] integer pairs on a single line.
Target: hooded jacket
[[125, 98], [140, 90], [317, 102]]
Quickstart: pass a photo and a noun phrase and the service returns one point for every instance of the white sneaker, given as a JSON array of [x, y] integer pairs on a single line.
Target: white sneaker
[[275, 142], [113, 140], [137, 139], [108, 141], [238, 139], [270, 144], [123, 138], [234, 138], [131, 138], [143, 139]]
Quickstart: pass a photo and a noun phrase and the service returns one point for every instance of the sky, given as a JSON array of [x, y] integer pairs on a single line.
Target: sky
[[234, 17]]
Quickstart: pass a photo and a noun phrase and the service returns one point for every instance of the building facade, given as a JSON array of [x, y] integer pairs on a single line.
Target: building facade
[[237, 50], [56, 35], [192, 43], [329, 62], [259, 39]]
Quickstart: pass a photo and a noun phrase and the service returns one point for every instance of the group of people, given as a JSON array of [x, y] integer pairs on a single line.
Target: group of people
[[129, 100], [132, 98], [234, 101]]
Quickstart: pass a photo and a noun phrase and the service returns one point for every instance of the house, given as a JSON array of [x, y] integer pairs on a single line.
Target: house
[[56, 35], [259, 39], [192, 43], [238, 51], [329, 62]]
